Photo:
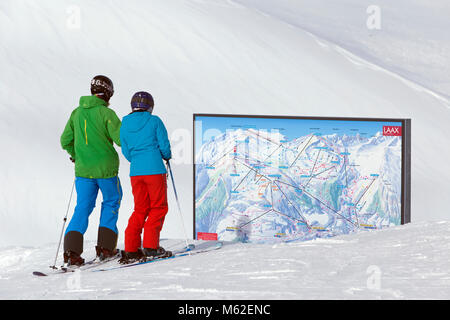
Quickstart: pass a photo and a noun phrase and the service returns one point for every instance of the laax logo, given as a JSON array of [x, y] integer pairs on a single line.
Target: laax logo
[[392, 131]]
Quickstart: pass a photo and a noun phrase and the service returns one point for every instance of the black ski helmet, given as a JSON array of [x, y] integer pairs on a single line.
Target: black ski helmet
[[142, 101], [102, 86]]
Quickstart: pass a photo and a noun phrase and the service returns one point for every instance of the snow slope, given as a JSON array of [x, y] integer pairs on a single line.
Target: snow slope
[[410, 38], [193, 56], [403, 262]]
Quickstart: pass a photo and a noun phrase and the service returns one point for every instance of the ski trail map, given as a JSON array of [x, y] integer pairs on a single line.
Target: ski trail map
[[264, 179]]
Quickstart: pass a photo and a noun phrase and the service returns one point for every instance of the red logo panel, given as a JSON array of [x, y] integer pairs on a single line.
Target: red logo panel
[[392, 131]]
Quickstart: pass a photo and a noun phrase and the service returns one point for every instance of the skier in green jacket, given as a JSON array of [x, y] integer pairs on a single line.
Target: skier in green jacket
[[88, 138]]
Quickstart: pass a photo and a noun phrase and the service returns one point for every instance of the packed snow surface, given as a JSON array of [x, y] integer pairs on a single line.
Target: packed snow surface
[[404, 262]]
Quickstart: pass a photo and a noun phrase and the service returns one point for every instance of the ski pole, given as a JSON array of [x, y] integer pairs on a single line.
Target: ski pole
[[64, 224], [178, 204]]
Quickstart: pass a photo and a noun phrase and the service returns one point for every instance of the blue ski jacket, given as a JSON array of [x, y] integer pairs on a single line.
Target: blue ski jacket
[[145, 143]]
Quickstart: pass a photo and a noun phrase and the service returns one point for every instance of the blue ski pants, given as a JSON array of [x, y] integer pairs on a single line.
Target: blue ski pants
[[87, 191]]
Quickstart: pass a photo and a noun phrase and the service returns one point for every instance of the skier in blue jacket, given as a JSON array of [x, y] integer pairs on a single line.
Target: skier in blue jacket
[[145, 144]]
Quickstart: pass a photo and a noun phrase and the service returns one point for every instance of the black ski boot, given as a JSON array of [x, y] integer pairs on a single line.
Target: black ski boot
[[151, 254], [73, 259], [103, 253], [130, 257]]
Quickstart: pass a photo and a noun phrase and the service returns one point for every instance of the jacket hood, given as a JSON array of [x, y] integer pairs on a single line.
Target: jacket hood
[[136, 121], [92, 101]]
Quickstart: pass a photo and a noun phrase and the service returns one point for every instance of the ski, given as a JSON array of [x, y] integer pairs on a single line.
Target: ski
[[91, 264], [87, 265], [184, 253]]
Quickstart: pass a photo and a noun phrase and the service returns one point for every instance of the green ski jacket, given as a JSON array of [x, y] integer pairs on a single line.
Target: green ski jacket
[[88, 137]]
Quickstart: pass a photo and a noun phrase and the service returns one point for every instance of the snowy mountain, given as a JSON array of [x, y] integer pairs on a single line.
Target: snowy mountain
[[260, 187], [193, 56]]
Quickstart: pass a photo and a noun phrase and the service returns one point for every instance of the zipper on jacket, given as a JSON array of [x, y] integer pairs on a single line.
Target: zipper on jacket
[[85, 131]]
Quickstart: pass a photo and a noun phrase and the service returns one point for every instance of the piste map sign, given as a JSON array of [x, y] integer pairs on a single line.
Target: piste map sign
[[273, 178]]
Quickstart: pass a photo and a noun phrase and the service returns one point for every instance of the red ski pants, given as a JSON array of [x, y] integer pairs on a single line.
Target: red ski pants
[[150, 209]]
